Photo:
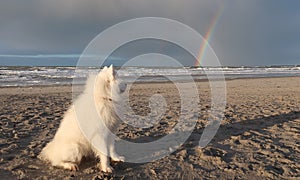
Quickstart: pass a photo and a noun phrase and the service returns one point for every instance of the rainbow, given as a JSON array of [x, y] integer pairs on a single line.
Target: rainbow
[[207, 37]]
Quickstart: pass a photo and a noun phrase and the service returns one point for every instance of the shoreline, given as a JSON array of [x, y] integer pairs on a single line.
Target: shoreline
[[63, 86]]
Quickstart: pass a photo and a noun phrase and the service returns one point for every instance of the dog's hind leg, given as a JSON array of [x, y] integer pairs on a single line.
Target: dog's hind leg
[[69, 157], [69, 165]]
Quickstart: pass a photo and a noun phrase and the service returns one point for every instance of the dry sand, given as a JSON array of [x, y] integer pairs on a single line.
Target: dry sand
[[258, 139]]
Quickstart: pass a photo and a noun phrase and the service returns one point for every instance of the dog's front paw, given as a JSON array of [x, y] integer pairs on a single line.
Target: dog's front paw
[[118, 158], [107, 169]]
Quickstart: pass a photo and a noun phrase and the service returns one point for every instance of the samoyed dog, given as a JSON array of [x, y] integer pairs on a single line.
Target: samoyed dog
[[70, 144]]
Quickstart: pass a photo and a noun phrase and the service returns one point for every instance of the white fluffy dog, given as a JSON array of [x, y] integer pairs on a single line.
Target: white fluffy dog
[[70, 144]]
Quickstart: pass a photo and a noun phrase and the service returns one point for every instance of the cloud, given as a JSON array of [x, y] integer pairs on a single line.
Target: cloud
[[247, 33]]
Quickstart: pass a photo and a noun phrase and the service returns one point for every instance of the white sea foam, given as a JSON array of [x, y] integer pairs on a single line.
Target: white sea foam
[[28, 76]]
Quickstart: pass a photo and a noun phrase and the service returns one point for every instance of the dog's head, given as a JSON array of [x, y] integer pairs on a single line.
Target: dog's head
[[112, 85]]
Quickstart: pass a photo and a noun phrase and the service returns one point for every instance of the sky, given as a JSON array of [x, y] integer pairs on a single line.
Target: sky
[[55, 32]]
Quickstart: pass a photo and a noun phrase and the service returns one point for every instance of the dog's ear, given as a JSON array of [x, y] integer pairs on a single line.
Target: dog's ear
[[104, 68], [111, 70]]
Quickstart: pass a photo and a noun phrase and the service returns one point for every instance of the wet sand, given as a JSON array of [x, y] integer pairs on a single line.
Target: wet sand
[[259, 137]]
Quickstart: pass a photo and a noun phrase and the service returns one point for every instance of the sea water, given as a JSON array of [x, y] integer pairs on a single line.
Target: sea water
[[40, 76]]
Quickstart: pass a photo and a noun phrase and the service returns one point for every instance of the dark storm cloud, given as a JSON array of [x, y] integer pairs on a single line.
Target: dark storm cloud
[[248, 32]]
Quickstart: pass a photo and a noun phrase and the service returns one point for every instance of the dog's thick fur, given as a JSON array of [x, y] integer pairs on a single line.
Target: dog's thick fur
[[69, 144]]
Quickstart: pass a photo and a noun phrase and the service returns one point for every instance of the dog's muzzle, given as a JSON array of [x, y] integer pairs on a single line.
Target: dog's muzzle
[[122, 87]]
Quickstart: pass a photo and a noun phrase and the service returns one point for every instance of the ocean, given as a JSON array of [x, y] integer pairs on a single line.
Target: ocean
[[43, 76]]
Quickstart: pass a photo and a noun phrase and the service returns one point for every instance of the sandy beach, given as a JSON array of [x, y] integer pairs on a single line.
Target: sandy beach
[[259, 137]]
